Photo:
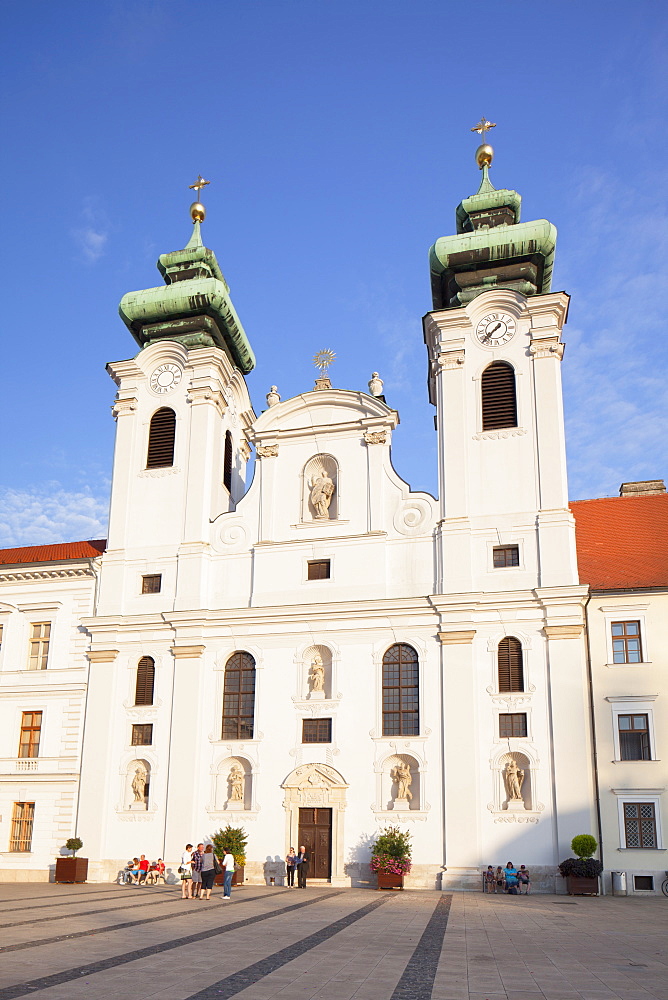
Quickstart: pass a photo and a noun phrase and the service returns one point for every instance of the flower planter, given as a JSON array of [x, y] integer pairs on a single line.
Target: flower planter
[[578, 885], [388, 880], [71, 869], [238, 877]]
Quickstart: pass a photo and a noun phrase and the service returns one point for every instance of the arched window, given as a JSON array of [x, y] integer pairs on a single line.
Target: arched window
[[400, 691], [145, 681], [239, 697], [227, 463], [499, 405], [161, 439], [511, 666]]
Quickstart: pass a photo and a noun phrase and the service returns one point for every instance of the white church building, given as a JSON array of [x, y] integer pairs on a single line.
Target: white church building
[[279, 634]]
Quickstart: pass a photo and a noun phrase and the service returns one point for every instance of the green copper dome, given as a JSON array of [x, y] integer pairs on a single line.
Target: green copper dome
[[193, 307]]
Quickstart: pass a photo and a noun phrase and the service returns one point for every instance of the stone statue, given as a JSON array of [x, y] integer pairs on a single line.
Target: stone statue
[[376, 384], [139, 784], [322, 490], [273, 397], [402, 775], [317, 673], [514, 780], [236, 783]]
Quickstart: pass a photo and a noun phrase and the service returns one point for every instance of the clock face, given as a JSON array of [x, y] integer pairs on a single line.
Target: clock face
[[165, 378], [495, 328]]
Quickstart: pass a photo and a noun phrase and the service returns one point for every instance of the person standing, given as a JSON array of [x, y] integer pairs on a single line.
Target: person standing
[[208, 871], [290, 859], [490, 879], [185, 872], [302, 863], [228, 872], [197, 859]]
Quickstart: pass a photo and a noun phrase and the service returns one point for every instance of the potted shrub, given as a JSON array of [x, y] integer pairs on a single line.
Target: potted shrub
[[234, 840], [391, 857], [72, 869], [583, 871]]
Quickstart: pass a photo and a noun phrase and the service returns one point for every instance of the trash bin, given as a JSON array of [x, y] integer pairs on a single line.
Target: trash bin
[[619, 884]]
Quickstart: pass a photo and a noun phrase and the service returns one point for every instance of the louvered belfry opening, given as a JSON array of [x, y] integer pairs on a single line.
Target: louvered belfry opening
[[161, 439], [511, 666], [145, 681], [499, 404], [227, 463]]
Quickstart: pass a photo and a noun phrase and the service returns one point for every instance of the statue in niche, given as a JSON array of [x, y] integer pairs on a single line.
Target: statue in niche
[[514, 780], [139, 784], [236, 780], [322, 491], [317, 673], [402, 775]]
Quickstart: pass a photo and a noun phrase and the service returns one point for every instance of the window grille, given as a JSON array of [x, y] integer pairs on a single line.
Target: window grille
[[31, 728], [401, 691], [317, 731], [499, 404], [40, 637], [23, 817], [145, 681], [510, 664], [239, 697], [626, 642], [640, 824], [161, 438], [142, 735], [633, 737], [512, 724]]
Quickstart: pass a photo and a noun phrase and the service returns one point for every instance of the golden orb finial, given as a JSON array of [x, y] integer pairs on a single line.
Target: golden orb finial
[[197, 209], [484, 154]]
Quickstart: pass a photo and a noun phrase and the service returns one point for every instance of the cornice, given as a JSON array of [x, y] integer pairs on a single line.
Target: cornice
[[102, 655], [187, 652], [70, 573], [563, 631], [460, 638]]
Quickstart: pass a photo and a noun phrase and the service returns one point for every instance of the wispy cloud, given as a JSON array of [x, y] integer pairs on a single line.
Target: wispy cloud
[[91, 237], [50, 513]]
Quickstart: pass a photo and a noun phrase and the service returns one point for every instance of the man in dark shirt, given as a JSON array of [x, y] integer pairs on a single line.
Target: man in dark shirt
[[302, 862], [197, 861]]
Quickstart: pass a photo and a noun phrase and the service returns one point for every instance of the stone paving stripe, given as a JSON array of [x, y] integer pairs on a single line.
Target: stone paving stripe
[[44, 982], [417, 981], [43, 906], [109, 927], [86, 913], [242, 980]]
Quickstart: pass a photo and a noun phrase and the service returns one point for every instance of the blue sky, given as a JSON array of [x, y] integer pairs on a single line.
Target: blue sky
[[336, 138]]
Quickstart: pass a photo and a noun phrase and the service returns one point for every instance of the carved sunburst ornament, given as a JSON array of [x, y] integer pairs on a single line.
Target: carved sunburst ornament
[[323, 359]]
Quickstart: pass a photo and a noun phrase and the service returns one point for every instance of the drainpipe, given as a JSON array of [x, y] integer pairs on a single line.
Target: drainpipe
[[592, 713]]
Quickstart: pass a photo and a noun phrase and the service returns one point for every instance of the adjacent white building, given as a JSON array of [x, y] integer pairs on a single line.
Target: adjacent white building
[[307, 648]]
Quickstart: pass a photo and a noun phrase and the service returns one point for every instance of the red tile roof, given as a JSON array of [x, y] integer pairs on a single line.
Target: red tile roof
[[622, 542], [53, 553]]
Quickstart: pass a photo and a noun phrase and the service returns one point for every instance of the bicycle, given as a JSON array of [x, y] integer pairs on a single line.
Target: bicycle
[[664, 886]]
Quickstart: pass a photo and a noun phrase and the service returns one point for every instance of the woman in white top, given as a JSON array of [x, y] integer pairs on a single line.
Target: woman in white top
[[185, 869]]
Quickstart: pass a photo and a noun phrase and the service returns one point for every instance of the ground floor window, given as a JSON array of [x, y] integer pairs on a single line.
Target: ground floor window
[[640, 824], [23, 816]]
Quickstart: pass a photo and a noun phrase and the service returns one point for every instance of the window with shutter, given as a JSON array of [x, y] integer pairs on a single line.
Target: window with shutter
[[499, 405], [227, 463], [23, 816], [145, 681], [510, 663], [161, 438]]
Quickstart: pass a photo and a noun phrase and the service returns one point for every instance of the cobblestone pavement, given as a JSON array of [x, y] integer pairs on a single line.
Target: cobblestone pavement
[[98, 941]]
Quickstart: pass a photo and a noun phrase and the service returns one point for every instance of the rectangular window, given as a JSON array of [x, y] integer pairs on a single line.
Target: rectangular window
[[634, 737], [506, 555], [317, 731], [31, 727], [626, 642], [640, 824], [151, 584], [643, 883], [318, 569], [40, 635], [1, 628], [142, 736], [512, 724], [23, 816]]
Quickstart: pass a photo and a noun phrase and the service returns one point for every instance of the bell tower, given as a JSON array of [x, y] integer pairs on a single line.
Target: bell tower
[[494, 347], [182, 409]]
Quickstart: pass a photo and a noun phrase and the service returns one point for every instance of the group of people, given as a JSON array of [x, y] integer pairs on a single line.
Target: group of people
[[140, 871], [300, 862], [199, 868], [509, 879]]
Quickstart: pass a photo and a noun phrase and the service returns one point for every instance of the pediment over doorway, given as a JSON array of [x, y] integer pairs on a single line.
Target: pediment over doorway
[[314, 776]]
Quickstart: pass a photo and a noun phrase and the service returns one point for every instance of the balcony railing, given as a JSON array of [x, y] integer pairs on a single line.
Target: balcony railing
[[39, 765]]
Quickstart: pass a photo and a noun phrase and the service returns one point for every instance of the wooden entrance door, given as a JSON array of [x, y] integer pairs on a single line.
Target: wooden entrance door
[[315, 833]]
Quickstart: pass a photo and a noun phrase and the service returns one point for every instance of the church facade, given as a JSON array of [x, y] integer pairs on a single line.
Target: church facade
[[315, 651]]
